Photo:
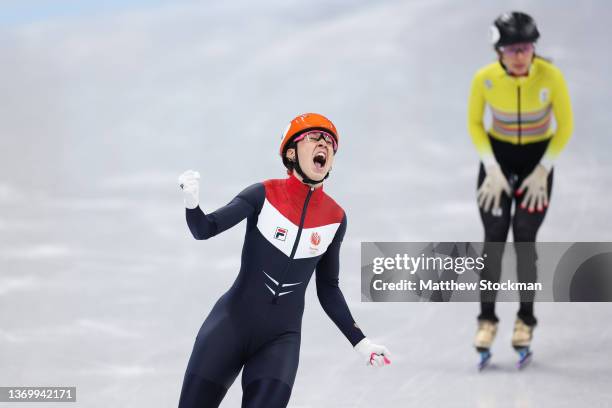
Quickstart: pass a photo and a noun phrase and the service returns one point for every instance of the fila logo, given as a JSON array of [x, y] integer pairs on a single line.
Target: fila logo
[[278, 286], [280, 233]]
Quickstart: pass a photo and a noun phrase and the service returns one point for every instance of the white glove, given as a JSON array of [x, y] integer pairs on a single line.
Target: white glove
[[490, 191], [537, 190], [189, 182], [373, 354]]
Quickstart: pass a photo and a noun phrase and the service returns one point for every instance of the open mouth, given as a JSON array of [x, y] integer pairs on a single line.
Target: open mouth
[[320, 159]]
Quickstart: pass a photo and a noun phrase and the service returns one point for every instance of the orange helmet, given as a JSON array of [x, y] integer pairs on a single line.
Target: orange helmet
[[304, 122]]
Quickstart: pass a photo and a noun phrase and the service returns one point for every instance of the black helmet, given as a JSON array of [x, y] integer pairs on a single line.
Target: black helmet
[[512, 28]]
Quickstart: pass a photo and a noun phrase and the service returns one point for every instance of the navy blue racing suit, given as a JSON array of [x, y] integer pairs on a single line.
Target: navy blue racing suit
[[292, 229]]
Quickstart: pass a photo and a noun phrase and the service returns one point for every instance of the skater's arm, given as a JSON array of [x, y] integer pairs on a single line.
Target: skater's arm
[[476, 106], [329, 292], [562, 109], [204, 226]]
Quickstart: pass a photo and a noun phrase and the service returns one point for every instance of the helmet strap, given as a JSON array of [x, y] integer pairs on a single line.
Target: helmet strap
[[305, 178]]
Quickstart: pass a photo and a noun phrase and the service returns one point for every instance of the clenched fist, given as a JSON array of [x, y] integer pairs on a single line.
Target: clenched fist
[[189, 182]]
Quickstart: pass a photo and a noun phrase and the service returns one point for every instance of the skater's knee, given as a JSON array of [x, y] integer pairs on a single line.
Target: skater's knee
[[497, 231], [266, 393], [200, 392], [525, 231], [525, 236]]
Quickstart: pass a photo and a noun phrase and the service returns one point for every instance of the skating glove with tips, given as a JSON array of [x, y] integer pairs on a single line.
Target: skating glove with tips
[[536, 185], [374, 354], [491, 189]]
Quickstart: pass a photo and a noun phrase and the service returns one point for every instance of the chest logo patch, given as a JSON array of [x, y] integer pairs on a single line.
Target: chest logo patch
[[315, 240], [544, 95], [280, 233], [488, 84]]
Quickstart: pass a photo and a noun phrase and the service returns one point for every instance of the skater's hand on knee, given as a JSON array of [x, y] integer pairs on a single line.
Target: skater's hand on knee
[[189, 182], [375, 355], [536, 185], [491, 189]]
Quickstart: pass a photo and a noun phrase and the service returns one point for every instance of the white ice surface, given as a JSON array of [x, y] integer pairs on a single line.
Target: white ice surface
[[101, 285]]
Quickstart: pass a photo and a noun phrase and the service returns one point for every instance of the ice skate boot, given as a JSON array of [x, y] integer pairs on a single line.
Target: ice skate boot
[[521, 341], [484, 339]]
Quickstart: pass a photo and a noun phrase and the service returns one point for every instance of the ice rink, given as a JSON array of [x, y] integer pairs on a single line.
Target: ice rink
[[102, 286]]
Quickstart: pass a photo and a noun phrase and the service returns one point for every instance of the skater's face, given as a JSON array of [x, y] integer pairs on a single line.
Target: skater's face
[[517, 57], [315, 153]]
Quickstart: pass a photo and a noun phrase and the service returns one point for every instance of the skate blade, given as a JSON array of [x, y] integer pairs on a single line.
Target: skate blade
[[485, 358], [525, 356]]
